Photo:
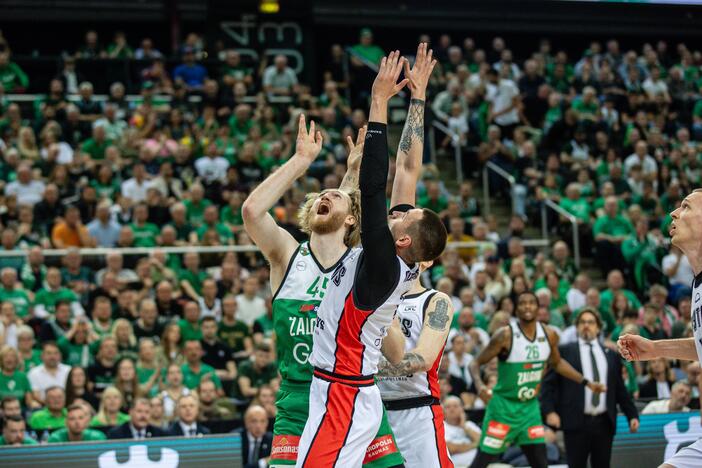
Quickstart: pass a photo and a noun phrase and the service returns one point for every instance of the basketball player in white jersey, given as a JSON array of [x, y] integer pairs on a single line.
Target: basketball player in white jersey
[[685, 234], [410, 389], [360, 304]]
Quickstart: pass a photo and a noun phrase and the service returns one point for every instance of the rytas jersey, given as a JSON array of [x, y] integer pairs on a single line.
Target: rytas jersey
[[295, 312], [519, 375], [347, 339], [411, 313], [696, 314]]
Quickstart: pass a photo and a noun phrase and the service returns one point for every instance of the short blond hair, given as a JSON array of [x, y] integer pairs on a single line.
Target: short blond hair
[[353, 235]]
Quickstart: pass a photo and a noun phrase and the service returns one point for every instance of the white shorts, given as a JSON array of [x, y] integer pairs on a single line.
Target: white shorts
[[687, 457], [420, 436], [343, 421]]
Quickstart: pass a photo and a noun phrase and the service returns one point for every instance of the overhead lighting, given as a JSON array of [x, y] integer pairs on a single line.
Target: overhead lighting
[[269, 6]]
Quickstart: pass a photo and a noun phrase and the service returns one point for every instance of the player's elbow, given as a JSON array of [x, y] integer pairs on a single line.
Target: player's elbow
[[249, 212]]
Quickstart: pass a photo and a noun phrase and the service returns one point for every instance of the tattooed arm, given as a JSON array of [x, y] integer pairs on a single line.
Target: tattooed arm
[[411, 147], [432, 338]]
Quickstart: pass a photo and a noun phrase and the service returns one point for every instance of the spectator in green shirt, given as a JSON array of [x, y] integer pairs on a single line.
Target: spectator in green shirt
[[211, 222], [145, 233], [54, 415], [76, 430], [433, 198], [195, 206], [11, 292], [615, 284], [609, 232], [190, 323], [12, 78], [640, 251], [194, 370], [231, 214], [13, 382], [191, 277], [13, 432], [30, 356], [47, 297], [257, 371], [576, 205], [119, 48], [366, 49], [96, 146]]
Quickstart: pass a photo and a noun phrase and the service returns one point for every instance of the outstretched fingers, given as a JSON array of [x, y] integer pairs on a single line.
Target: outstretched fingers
[[301, 127], [361, 138]]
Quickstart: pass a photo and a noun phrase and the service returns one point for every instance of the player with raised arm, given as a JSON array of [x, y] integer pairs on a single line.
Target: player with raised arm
[[685, 235], [359, 306], [299, 277], [513, 415], [410, 388]]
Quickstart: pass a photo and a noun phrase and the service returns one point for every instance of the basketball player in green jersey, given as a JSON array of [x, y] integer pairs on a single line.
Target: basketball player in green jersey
[[513, 416]]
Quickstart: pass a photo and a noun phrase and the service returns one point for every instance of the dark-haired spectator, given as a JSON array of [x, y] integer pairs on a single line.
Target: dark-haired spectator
[[51, 373], [14, 432], [12, 78], [190, 74], [77, 389], [258, 370], [194, 370], [660, 380], [215, 353], [138, 427], [102, 373], [71, 232], [212, 407]]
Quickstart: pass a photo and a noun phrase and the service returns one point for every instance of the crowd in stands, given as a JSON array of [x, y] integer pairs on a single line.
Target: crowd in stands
[[179, 341]]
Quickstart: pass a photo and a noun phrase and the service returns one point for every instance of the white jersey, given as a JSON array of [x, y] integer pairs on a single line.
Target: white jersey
[[411, 314], [347, 339], [696, 314]]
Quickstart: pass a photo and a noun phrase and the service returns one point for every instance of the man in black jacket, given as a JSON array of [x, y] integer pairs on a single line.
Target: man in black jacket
[[588, 420], [187, 409], [256, 439], [138, 427]]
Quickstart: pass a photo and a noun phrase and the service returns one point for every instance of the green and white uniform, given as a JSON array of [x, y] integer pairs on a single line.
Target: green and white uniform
[[513, 415], [294, 318]]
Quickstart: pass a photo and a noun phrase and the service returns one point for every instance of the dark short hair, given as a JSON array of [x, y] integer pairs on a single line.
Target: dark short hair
[[265, 347], [13, 418], [6, 400], [593, 312], [428, 237], [209, 318], [48, 344], [60, 303]]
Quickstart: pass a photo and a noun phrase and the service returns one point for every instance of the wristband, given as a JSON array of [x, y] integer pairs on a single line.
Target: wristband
[[585, 382]]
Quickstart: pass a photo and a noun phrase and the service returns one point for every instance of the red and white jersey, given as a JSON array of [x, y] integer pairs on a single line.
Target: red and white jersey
[[347, 339], [411, 315]]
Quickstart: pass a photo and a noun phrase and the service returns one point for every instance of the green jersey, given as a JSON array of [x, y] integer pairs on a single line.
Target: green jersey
[[519, 375], [88, 435], [295, 312], [19, 298]]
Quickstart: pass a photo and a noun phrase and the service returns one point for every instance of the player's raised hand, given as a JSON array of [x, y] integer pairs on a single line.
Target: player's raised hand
[[420, 73], [309, 144], [385, 85], [356, 149], [636, 348]]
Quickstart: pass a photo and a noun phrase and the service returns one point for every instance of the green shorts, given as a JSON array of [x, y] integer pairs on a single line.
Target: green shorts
[[509, 422], [293, 406]]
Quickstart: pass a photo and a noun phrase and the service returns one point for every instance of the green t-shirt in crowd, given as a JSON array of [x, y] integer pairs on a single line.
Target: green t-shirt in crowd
[[19, 298], [43, 419], [81, 355], [232, 217], [145, 235], [33, 361], [16, 385], [96, 149], [437, 206], [49, 298], [195, 279], [223, 232], [234, 335], [121, 419], [580, 208], [371, 53], [88, 435], [607, 295], [258, 378], [189, 331], [196, 211], [617, 226], [192, 379], [12, 76]]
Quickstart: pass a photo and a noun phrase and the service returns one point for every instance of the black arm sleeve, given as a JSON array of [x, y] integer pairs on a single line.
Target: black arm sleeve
[[379, 268]]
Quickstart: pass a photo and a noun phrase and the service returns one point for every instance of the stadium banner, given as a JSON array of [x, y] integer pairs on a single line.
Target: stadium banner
[[659, 438], [216, 451]]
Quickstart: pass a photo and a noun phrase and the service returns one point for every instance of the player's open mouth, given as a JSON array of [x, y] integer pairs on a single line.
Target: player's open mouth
[[323, 209]]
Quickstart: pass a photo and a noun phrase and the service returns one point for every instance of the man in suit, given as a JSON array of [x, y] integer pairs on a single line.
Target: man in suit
[[187, 410], [588, 420], [138, 427], [256, 439]]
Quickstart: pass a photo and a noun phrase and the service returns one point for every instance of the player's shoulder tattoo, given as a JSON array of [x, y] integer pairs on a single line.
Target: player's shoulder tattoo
[[438, 317]]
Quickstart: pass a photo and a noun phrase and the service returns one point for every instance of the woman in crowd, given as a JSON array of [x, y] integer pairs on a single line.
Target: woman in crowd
[[77, 388], [126, 382], [173, 389], [148, 368], [14, 382], [659, 382], [109, 413], [126, 341], [170, 349], [157, 417], [30, 356]]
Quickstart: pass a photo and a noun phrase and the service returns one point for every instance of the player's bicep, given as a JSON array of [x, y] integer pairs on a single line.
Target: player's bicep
[[435, 330], [553, 340]]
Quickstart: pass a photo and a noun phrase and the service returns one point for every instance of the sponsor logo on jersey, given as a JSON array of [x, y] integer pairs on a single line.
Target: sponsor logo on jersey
[[492, 442], [380, 447], [533, 365], [285, 447], [497, 429], [536, 432], [302, 325], [406, 325], [528, 377], [541, 339], [301, 266], [304, 251], [308, 308], [526, 393], [338, 274]]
